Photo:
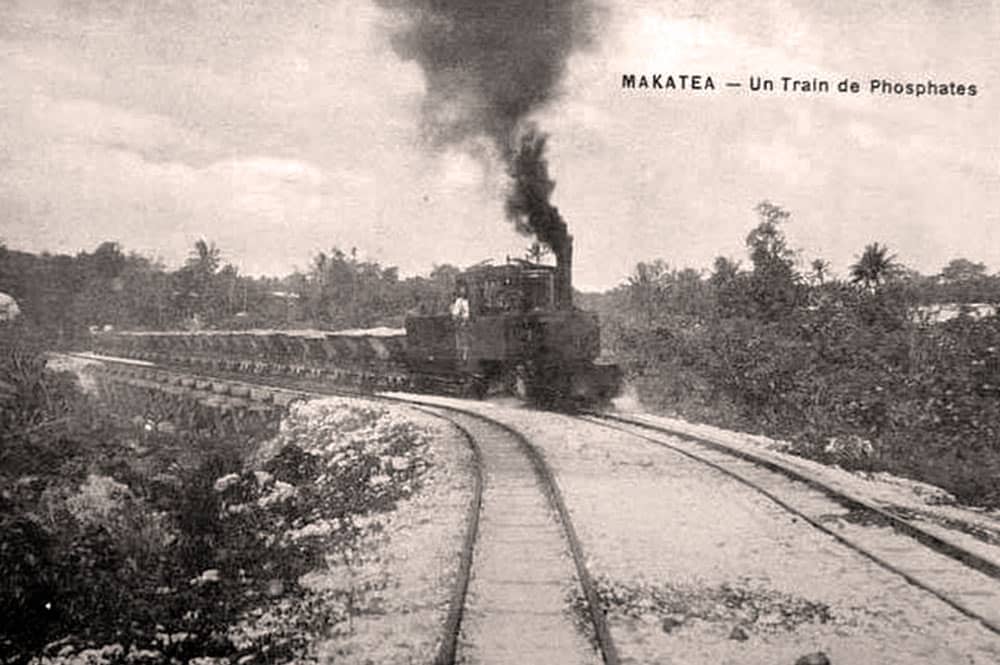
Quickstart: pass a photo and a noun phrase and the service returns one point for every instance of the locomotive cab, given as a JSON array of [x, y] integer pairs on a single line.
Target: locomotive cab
[[520, 337]]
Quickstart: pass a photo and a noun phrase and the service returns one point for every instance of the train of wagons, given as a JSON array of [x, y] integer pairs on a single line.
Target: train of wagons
[[523, 335]]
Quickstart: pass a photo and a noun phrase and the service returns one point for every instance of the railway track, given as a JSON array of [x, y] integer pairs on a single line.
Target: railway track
[[525, 562], [520, 615], [522, 562], [967, 580]]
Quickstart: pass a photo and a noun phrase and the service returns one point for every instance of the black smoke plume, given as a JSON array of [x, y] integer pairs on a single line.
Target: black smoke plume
[[489, 64], [531, 187]]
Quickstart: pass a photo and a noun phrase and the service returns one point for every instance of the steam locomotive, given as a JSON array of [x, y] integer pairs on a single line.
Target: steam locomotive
[[522, 336]]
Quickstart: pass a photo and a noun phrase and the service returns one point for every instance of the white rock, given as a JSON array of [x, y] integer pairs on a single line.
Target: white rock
[[209, 576], [225, 482], [380, 479]]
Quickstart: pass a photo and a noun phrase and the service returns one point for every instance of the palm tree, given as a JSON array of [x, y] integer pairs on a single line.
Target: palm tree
[[205, 258], [874, 266], [820, 270]]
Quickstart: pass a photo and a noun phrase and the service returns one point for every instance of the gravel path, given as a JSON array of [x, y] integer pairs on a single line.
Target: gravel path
[[697, 568], [977, 529], [406, 568]]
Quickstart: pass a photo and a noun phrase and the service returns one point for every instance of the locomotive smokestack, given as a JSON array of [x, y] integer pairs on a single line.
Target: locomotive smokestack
[[564, 274]]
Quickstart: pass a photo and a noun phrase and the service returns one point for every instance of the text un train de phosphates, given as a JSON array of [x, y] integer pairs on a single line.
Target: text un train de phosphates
[[875, 86]]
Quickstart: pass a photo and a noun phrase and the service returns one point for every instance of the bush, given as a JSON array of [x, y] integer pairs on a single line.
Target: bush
[[112, 536], [849, 380]]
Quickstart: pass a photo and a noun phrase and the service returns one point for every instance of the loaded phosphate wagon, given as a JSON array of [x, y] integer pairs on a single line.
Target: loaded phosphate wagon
[[516, 331]]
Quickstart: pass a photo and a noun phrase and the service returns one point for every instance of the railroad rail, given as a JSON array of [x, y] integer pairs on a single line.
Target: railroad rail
[[966, 580], [521, 558], [512, 468], [526, 559]]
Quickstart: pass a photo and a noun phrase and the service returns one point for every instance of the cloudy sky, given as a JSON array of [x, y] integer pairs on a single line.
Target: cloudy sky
[[279, 129]]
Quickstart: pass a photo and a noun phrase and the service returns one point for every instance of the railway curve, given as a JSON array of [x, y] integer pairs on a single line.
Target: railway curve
[[966, 580], [516, 479], [522, 562]]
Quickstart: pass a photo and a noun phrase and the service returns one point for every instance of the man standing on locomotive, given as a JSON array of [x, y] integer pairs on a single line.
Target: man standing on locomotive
[[460, 316]]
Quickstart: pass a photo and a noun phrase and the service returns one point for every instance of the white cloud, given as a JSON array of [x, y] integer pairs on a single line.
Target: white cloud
[[279, 130], [85, 121]]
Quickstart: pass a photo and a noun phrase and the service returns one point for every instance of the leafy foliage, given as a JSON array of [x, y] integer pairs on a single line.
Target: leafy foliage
[[874, 266], [63, 296], [846, 370], [774, 282], [814, 358], [110, 536]]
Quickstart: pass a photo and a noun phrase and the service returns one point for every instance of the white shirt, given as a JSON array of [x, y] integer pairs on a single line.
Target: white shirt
[[460, 309]]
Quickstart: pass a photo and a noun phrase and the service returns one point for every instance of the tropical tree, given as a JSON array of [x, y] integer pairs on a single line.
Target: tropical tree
[[963, 270], [874, 266], [689, 293], [107, 262], [774, 282], [645, 286], [731, 288], [204, 258], [199, 294], [724, 270], [820, 271], [766, 242], [965, 281]]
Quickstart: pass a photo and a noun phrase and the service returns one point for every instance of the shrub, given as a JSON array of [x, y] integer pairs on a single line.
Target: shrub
[[118, 537], [849, 380]]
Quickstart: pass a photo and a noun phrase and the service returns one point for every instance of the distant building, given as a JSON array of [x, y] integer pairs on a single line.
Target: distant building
[[939, 313]]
